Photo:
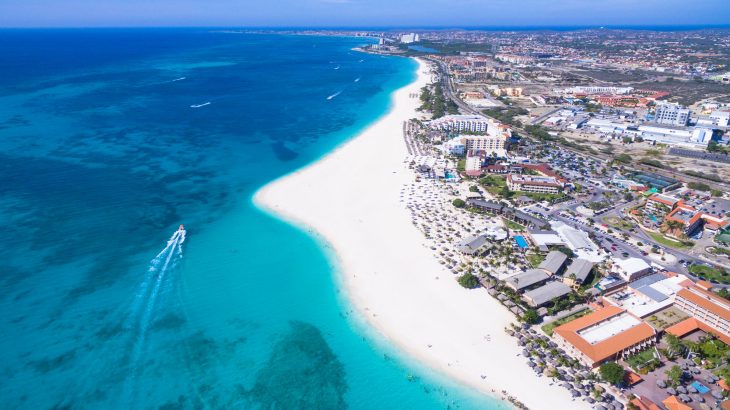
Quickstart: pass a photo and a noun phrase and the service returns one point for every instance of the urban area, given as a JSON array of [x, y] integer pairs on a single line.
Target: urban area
[[582, 179]]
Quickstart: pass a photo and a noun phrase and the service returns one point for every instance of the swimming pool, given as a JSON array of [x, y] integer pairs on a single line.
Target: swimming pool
[[521, 242], [701, 388]]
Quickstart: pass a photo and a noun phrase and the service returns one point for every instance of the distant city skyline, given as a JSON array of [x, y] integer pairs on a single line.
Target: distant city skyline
[[359, 13]]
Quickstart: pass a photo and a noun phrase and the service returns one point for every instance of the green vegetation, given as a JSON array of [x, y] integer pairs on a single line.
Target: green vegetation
[[699, 186], [716, 193], [506, 114], [643, 362], [539, 133], [495, 185], [598, 205], [535, 259], [713, 146], [710, 273], [652, 162], [623, 158], [674, 376], [461, 165], [474, 188], [716, 250], [513, 226], [565, 250], [612, 373], [672, 243], [468, 281], [550, 327], [702, 175], [458, 202], [542, 197], [436, 102], [531, 317]]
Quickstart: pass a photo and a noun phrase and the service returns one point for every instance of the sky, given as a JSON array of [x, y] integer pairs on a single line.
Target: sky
[[360, 13]]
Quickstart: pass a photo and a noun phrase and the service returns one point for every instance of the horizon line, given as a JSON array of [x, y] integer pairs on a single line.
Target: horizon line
[[526, 27]]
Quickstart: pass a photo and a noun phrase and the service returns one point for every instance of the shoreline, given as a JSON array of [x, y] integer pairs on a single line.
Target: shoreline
[[350, 199]]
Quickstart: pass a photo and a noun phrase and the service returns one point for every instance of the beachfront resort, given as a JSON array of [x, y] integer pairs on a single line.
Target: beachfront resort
[[615, 276]]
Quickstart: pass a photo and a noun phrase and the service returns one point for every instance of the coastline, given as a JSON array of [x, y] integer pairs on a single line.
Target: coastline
[[351, 199]]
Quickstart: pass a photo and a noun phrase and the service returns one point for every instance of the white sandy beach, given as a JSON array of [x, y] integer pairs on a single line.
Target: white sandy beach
[[351, 198]]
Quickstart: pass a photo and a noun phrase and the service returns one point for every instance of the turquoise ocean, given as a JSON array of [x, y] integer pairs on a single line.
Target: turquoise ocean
[[109, 140]]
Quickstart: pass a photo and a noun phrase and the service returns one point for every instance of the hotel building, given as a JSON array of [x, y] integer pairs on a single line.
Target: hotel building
[[537, 184], [710, 312], [608, 333]]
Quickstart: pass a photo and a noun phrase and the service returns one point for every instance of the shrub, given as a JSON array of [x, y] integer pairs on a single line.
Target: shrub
[[468, 281], [459, 203], [612, 372]]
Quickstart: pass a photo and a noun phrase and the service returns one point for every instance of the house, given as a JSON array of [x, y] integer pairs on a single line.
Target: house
[[536, 184], [578, 272], [546, 293], [606, 334], [660, 205]]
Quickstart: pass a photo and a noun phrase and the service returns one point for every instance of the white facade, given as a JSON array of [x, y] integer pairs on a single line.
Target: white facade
[[671, 114], [472, 123], [473, 163], [409, 38]]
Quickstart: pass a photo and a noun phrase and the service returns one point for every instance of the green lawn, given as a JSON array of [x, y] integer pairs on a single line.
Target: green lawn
[[535, 259], [513, 225], [642, 359], [541, 197], [548, 328], [672, 243], [493, 184], [711, 274]]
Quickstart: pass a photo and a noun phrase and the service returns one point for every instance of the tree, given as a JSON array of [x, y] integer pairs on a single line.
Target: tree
[[458, 202], [674, 344], [531, 316], [468, 281], [674, 375], [565, 250], [612, 372], [473, 188]]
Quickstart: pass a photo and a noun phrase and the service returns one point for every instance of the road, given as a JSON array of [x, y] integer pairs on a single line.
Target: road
[[465, 108]]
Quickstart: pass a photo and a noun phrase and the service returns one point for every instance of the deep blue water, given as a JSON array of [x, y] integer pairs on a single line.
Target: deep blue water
[[103, 155]]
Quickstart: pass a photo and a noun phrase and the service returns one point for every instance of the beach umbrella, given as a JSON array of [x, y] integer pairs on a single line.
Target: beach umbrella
[[696, 370], [617, 405], [600, 407], [660, 383], [691, 389], [671, 391], [717, 394], [589, 400], [681, 390], [698, 398], [575, 393], [684, 398]]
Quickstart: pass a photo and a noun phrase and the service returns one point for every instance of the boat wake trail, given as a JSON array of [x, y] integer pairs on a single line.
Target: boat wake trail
[[145, 302], [334, 95]]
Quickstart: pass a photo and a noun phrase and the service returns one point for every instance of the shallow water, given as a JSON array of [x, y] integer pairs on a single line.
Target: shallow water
[[109, 139]]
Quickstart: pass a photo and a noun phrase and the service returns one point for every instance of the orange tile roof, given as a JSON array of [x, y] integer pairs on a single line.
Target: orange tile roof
[[642, 403], [707, 300], [673, 403], [725, 405], [705, 284], [632, 378], [658, 198], [610, 346], [723, 384], [684, 327], [691, 324]]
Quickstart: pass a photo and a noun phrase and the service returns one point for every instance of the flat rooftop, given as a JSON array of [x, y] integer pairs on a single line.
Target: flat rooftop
[[609, 328]]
